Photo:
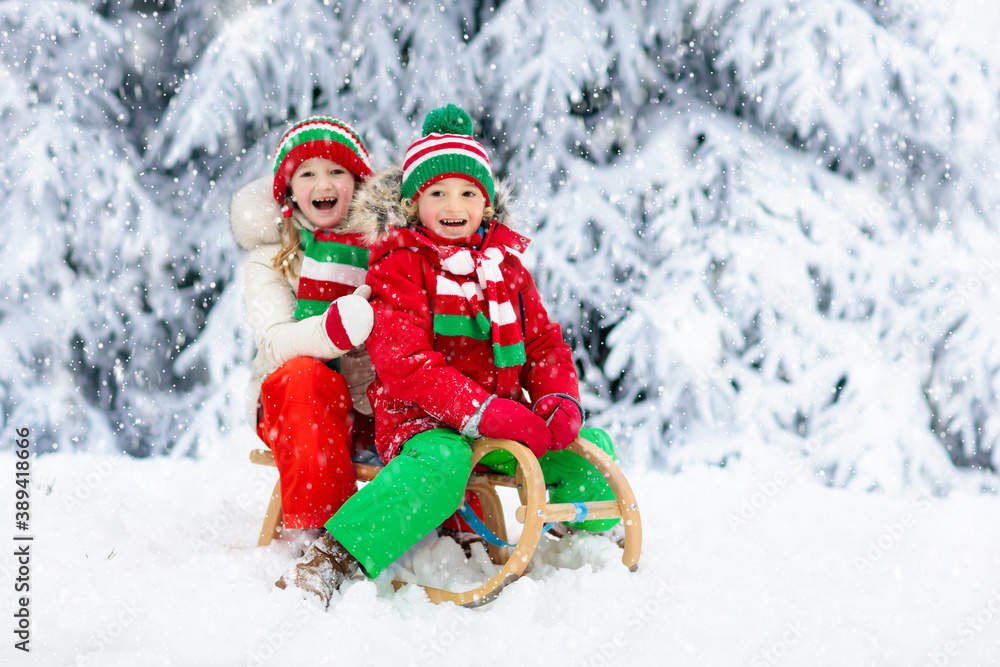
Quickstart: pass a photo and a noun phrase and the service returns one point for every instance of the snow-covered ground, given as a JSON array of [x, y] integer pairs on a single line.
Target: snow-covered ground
[[153, 562]]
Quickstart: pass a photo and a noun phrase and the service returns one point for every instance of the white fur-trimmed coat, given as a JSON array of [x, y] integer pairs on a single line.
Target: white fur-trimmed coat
[[255, 220]]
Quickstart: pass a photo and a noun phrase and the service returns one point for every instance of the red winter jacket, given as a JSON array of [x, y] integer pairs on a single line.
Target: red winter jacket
[[428, 381]]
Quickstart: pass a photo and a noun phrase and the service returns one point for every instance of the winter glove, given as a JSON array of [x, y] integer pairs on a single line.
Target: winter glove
[[350, 318], [562, 415], [505, 419]]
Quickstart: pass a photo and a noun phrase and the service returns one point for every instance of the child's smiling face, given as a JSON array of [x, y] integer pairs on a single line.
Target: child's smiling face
[[322, 190], [451, 208]]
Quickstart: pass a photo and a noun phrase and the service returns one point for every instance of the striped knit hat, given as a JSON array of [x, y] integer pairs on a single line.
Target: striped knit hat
[[318, 136], [446, 150]]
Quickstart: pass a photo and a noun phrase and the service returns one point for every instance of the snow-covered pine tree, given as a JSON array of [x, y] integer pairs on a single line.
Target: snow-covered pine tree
[[95, 304], [771, 242], [759, 221]]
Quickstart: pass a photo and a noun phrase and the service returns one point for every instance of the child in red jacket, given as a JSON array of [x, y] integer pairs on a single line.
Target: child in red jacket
[[463, 348]]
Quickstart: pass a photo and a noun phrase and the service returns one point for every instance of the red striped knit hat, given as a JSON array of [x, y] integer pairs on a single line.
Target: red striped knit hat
[[447, 150], [318, 136]]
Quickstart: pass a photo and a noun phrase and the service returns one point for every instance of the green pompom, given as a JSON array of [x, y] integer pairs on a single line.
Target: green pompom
[[448, 120]]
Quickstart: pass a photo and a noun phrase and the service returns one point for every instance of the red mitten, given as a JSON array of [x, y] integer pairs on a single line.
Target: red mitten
[[349, 319], [505, 419], [562, 415]]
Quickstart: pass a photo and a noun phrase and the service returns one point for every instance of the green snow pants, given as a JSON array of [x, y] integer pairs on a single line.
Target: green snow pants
[[425, 484]]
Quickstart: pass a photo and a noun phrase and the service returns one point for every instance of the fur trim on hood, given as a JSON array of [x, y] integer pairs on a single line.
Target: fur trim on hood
[[376, 208], [254, 215]]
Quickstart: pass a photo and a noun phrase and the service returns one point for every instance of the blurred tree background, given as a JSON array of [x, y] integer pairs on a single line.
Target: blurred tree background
[[761, 222]]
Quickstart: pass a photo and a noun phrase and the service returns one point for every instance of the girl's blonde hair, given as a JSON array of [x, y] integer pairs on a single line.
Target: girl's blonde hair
[[285, 262], [411, 210]]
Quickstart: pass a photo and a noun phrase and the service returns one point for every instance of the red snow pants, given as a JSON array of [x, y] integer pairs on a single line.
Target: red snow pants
[[304, 420]]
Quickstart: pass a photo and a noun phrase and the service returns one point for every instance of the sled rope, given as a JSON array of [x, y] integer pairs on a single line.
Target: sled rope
[[476, 524]]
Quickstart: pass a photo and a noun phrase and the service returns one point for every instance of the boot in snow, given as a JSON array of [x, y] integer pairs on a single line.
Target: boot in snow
[[321, 569]]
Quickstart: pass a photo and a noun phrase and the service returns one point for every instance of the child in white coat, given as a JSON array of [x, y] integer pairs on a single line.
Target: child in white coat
[[308, 310]]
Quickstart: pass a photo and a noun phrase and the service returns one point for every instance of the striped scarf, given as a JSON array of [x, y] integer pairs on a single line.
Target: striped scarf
[[330, 269], [476, 280]]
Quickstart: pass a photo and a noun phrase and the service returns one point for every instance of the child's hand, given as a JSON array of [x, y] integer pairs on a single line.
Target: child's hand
[[562, 415], [349, 319], [505, 419]]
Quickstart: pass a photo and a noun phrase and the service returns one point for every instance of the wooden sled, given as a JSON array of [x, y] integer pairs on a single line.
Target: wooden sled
[[534, 512]]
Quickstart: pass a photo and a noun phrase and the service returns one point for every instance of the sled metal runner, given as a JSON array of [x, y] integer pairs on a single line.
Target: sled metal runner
[[534, 512]]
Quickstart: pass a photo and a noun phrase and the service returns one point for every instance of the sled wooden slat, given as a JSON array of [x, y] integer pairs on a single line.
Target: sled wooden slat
[[273, 523], [262, 457], [363, 471], [601, 509], [534, 512]]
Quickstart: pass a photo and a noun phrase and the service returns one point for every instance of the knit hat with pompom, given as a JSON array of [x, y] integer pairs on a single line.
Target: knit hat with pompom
[[446, 150], [318, 136]]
